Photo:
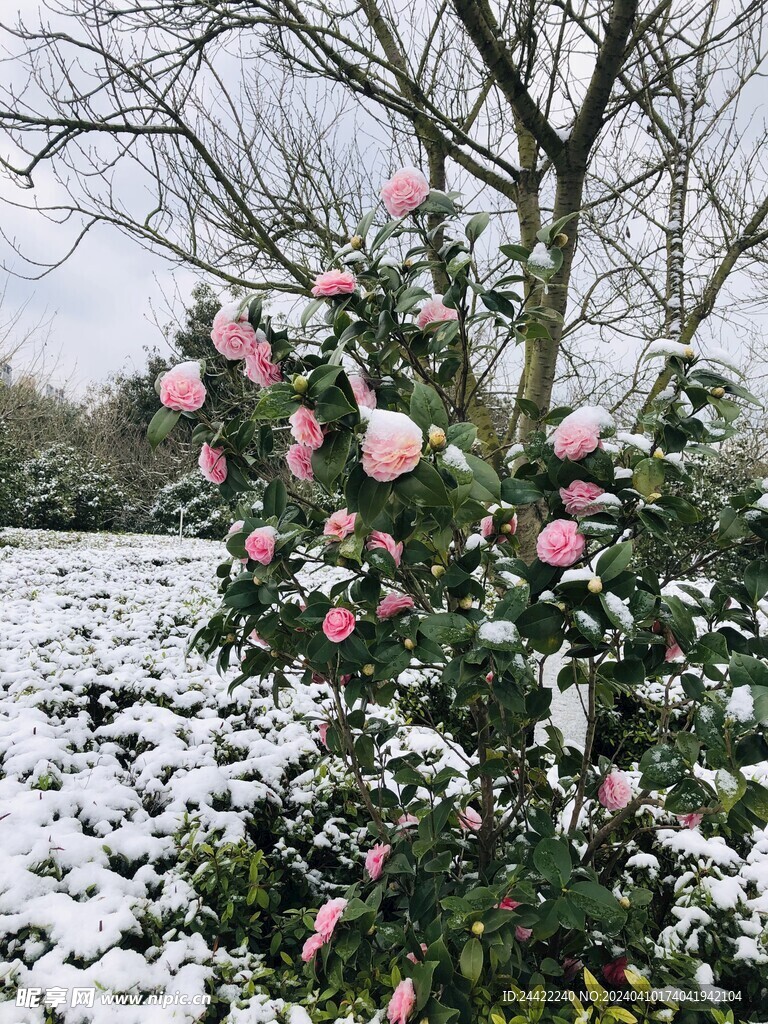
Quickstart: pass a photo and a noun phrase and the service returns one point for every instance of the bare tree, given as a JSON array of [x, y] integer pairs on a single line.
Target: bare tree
[[244, 139]]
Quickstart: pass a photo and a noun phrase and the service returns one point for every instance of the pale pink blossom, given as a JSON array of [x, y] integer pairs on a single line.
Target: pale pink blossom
[[470, 820], [305, 428], [574, 439], [402, 1002], [375, 860], [258, 363], [394, 604], [379, 539], [412, 956], [521, 934], [391, 446], [579, 496], [322, 732], [236, 527], [213, 464], [406, 820], [311, 947], [489, 677], [181, 388], [364, 396], [299, 459], [232, 334], [328, 917], [260, 544], [338, 624], [615, 791], [692, 820], [435, 311], [674, 652], [405, 191], [340, 524], [488, 529], [333, 282], [560, 543]]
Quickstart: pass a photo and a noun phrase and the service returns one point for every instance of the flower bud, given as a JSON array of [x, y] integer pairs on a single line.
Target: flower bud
[[489, 677], [654, 497], [717, 392], [408, 644], [688, 352], [522, 329], [257, 580], [562, 606], [300, 384], [356, 242], [230, 638], [478, 928], [595, 585], [369, 669], [465, 603], [560, 240], [505, 528], [408, 263], [658, 453], [624, 902], [273, 653], [437, 439], [438, 571]]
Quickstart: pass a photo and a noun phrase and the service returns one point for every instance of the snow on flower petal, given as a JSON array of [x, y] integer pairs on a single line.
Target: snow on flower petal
[[181, 388], [391, 446]]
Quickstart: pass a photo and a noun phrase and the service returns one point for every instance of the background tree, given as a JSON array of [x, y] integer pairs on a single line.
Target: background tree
[[252, 133]]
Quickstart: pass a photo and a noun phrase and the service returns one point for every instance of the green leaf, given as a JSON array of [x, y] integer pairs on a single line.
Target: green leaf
[[520, 492], [424, 486], [410, 297], [276, 403], [372, 498], [756, 799], [662, 766], [486, 486], [476, 226], [747, 671], [332, 405], [709, 649], [310, 310], [730, 788], [161, 424], [648, 477], [542, 624], [275, 499], [598, 903], [471, 960], [756, 580], [552, 859], [614, 561], [462, 435], [447, 628], [328, 462], [427, 408]]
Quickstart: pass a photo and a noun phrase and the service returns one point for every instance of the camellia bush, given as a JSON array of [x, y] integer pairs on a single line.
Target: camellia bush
[[504, 874]]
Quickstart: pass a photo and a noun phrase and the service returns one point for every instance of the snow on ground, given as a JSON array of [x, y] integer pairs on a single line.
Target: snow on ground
[[109, 735]]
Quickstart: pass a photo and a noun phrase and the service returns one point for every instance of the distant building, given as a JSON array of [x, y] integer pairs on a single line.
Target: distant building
[[57, 394], [6, 373]]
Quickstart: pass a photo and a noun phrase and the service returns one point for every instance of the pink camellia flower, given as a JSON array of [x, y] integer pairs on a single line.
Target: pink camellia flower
[[402, 1002], [615, 791], [521, 934], [406, 820], [258, 363], [338, 624], [488, 529], [412, 956], [489, 677], [379, 539], [232, 334], [435, 311], [311, 946], [334, 282], [470, 820], [674, 651], [213, 464], [579, 433], [692, 820], [375, 860], [560, 543], [299, 459], [236, 527], [614, 972], [340, 524], [508, 904], [322, 732], [328, 917], [391, 446], [305, 428], [394, 604], [405, 191], [579, 496], [364, 396], [260, 545], [181, 388]]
